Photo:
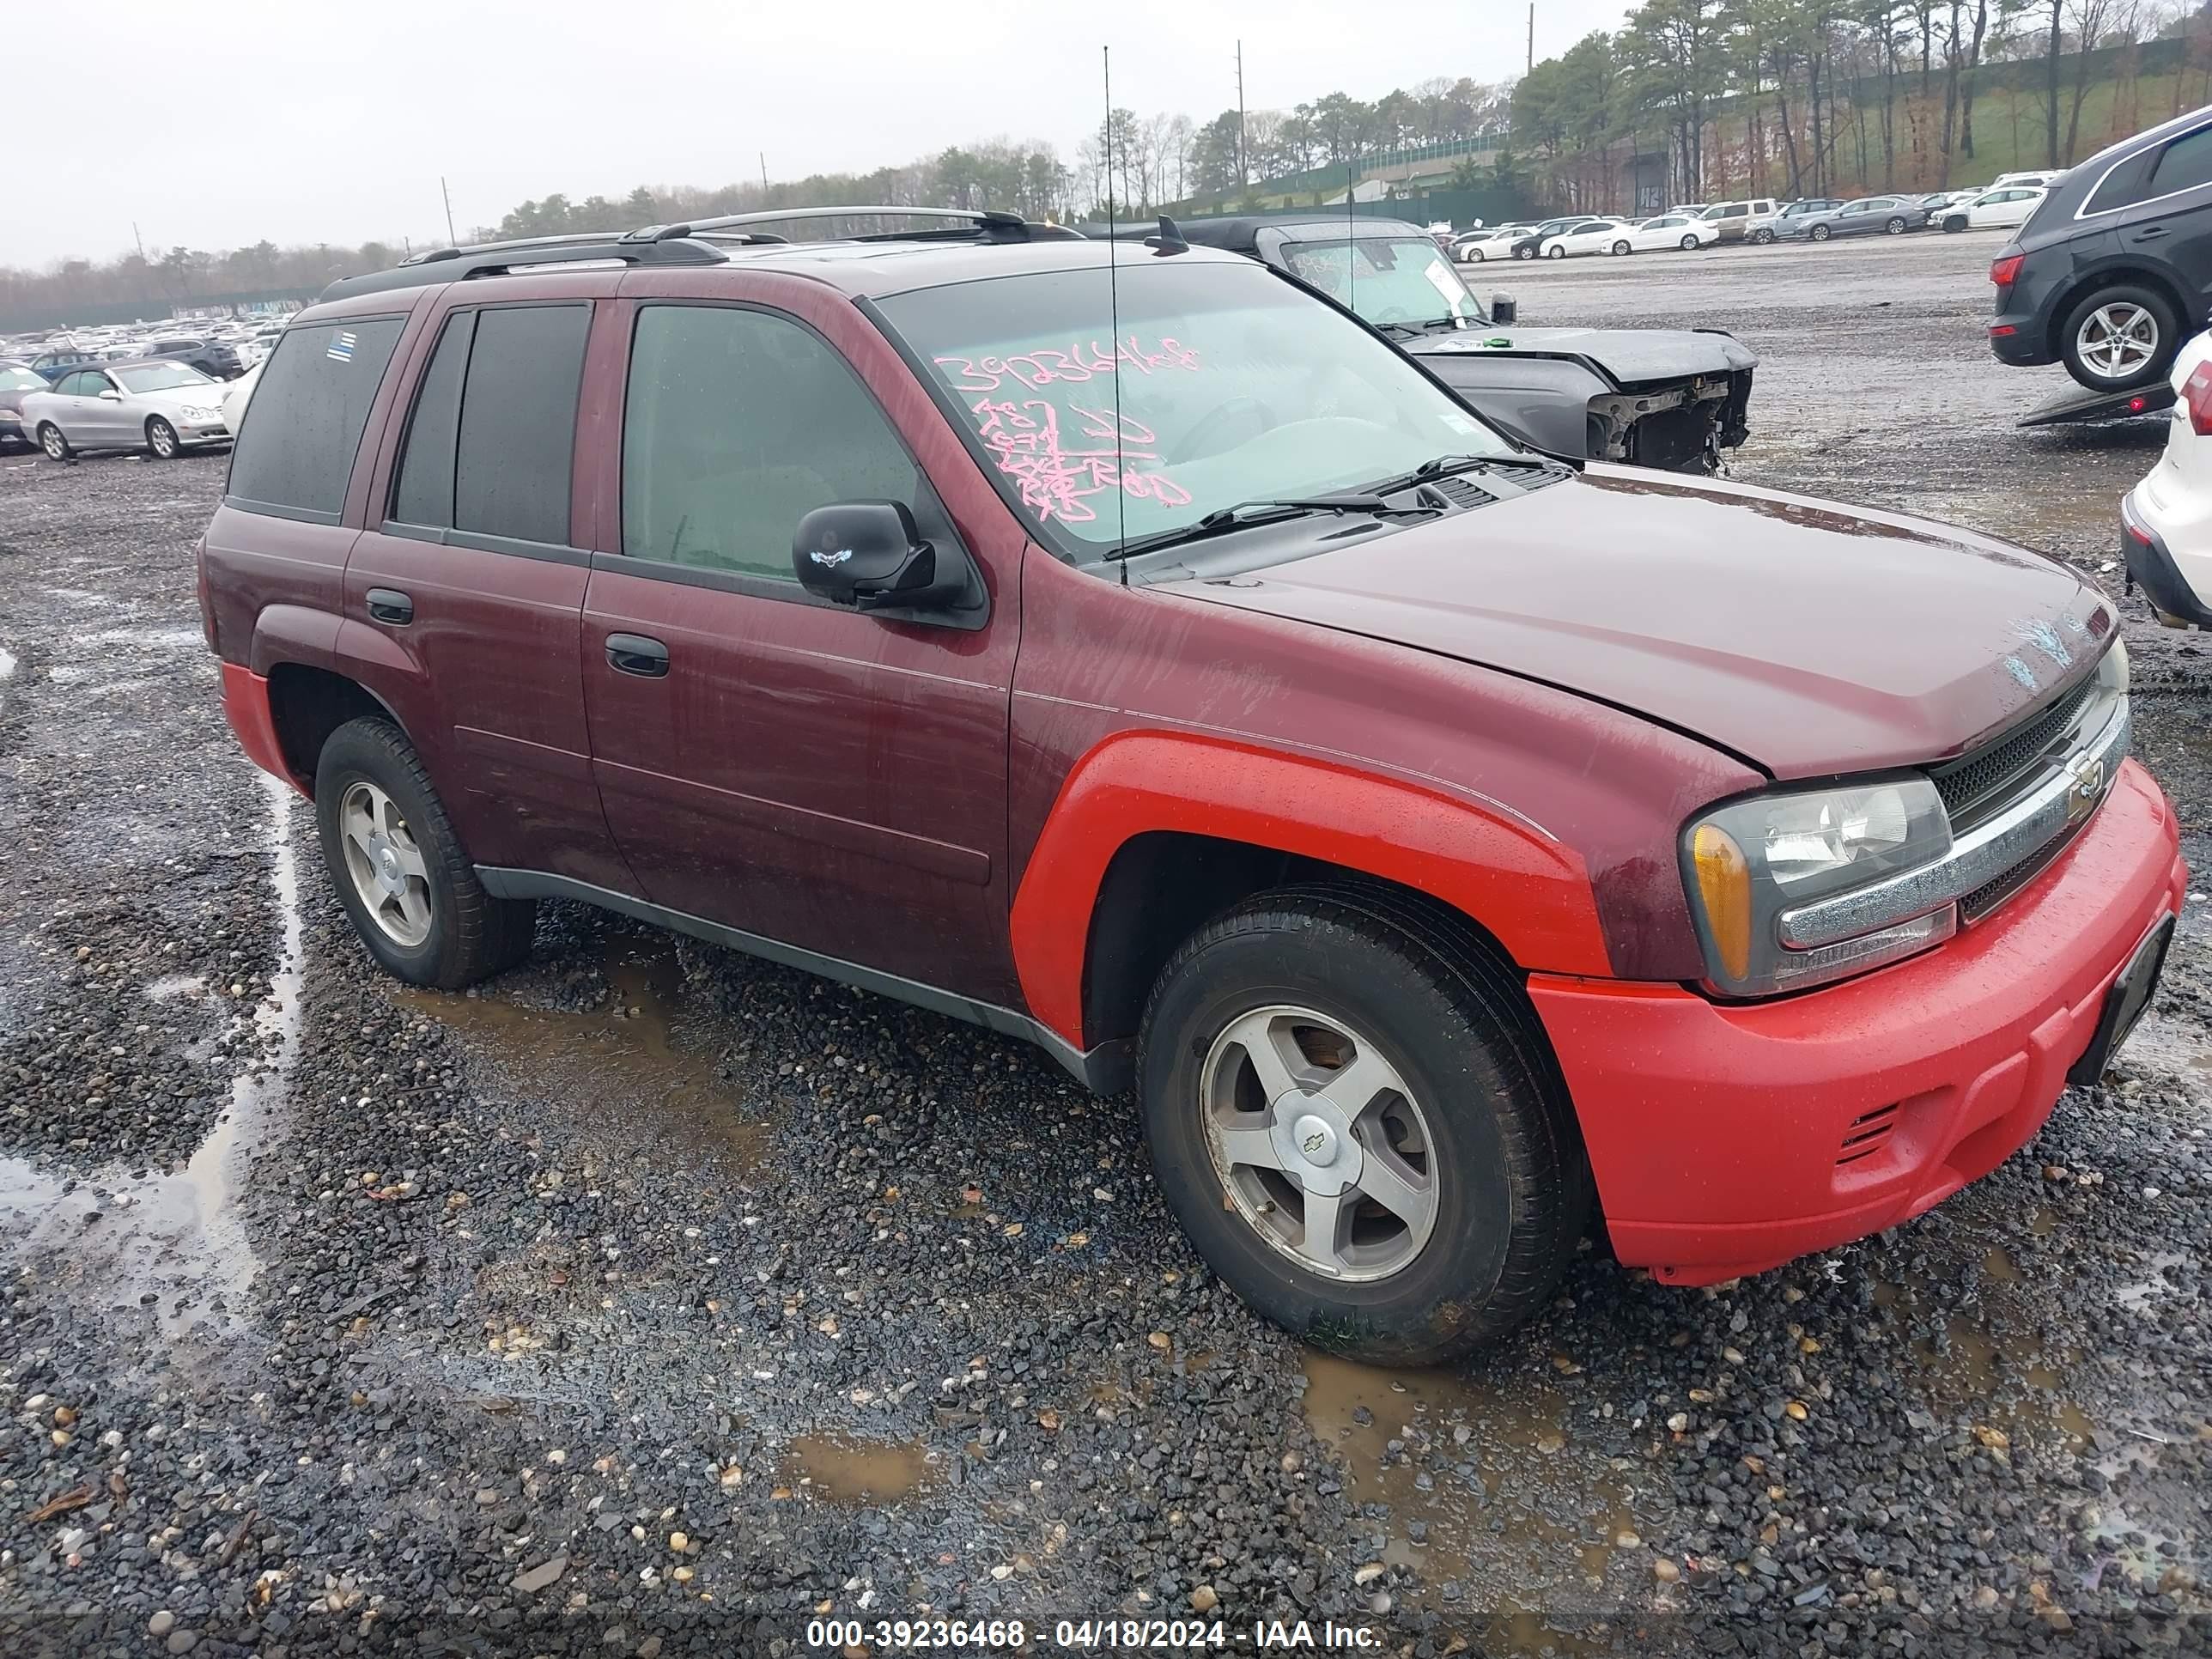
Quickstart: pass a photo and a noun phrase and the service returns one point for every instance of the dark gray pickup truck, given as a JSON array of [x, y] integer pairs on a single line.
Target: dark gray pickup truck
[[1668, 397]]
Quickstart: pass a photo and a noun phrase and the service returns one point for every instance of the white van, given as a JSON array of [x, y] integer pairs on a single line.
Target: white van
[[1747, 221]]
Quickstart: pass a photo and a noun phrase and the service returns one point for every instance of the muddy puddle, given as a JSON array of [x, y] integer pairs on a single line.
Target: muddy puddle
[[1483, 1488], [628, 1055], [1983, 1364], [175, 1241], [842, 1468]]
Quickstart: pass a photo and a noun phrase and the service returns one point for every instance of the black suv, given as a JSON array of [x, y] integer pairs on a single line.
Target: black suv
[[211, 357], [2113, 269]]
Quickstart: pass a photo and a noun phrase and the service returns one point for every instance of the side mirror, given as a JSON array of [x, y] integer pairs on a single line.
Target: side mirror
[[869, 555], [111, 396], [1502, 308]]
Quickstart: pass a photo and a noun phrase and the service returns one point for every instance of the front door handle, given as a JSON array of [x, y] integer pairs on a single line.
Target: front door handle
[[634, 653], [2150, 234], [389, 604]]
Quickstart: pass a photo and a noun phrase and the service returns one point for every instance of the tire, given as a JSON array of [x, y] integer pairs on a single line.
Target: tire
[[1818, 233], [1954, 224], [1894, 227], [1622, 247], [2156, 331], [1506, 1181], [1475, 257], [1555, 253], [161, 439], [54, 441], [1524, 253], [464, 933], [1689, 244], [1761, 237]]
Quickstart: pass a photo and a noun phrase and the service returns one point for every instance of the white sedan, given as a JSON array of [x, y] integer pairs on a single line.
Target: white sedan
[[2166, 521], [1488, 245], [1995, 209], [1597, 236], [162, 408]]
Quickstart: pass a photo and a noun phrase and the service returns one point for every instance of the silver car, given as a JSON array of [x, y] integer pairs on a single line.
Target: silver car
[[162, 408]]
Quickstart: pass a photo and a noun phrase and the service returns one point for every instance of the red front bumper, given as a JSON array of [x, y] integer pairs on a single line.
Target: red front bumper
[[1729, 1139]]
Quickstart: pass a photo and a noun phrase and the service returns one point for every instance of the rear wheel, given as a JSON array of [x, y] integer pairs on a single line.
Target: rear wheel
[[1354, 1115], [51, 439], [1894, 227], [161, 439], [1689, 243], [400, 871], [2119, 339]]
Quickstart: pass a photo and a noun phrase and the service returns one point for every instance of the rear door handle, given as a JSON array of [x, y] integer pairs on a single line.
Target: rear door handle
[[2150, 234], [389, 604], [634, 653]]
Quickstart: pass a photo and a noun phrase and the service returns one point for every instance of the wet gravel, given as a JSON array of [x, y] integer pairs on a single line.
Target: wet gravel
[[653, 1301]]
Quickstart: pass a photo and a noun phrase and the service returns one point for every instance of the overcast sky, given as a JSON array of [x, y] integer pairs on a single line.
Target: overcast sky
[[307, 123]]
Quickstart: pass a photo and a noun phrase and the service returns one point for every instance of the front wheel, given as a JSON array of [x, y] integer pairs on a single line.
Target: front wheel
[[1474, 257], [53, 441], [400, 871], [161, 439], [1954, 223], [1555, 253], [1621, 247], [1524, 253], [1354, 1115], [1818, 233], [2119, 339], [1762, 238]]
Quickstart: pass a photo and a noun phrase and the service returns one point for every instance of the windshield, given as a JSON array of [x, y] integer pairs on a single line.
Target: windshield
[[20, 380], [1385, 279], [1232, 387], [158, 377]]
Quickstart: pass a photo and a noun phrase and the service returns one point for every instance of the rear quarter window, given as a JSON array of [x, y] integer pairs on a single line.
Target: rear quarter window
[[296, 447]]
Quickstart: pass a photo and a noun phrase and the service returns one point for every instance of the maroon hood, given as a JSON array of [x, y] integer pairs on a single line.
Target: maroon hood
[[1807, 637]]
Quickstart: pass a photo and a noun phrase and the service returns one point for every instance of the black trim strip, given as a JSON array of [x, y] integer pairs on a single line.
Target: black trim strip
[[1107, 1069], [279, 510], [551, 552]]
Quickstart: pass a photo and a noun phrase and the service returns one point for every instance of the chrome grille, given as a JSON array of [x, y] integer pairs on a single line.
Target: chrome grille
[[1983, 782]]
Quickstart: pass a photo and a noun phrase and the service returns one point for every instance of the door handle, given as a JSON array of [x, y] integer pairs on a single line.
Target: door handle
[[2148, 233], [389, 604], [634, 653]]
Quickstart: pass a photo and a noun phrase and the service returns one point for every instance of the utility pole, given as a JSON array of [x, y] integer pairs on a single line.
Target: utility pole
[[452, 240], [136, 238], [1532, 35], [1243, 177], [763, 161]]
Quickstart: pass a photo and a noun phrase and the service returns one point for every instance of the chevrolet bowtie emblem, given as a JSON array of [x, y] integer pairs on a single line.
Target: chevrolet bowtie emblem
[[2087, 772]]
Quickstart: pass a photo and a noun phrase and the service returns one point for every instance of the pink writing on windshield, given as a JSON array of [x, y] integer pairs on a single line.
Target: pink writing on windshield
[[1049, 364], [1057, 482]]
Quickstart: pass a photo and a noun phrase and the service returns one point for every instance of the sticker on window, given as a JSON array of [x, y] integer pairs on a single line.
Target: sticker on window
[[341, 347]]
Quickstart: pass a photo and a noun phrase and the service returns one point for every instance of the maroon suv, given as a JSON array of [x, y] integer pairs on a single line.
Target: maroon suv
[[1447, 841]]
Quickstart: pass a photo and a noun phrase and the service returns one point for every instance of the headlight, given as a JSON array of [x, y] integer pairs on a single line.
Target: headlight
[[1747, 862]]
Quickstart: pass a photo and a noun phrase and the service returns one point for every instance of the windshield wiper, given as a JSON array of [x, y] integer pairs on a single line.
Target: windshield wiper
[[1223, 520], [1438, 466]]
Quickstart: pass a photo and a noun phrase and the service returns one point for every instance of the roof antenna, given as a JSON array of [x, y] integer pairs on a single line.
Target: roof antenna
[[1170, 241], [1114, 310]]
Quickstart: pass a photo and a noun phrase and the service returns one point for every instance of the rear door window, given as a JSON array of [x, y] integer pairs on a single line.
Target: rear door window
[[491, 440], [295, 451], [2183, 164]]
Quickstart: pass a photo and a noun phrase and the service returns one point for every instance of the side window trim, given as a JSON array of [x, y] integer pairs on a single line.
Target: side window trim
[[734, 582], [2160, 149], [448, 535]]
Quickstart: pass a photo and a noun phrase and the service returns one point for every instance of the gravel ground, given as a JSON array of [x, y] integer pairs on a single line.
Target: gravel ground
[[652, 1301]]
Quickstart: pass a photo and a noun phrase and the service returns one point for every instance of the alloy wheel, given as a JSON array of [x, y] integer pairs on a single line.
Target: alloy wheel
[[163, 439], [389, 875], [51, 440], [2116, 340], [1319, 1143]]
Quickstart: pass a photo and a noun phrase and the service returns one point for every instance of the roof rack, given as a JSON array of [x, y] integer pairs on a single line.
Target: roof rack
[[685, 244], [457, 264], [993, 224]]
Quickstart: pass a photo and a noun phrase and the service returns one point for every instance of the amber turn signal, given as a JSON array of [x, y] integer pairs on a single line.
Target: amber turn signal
[[1724, 884]]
